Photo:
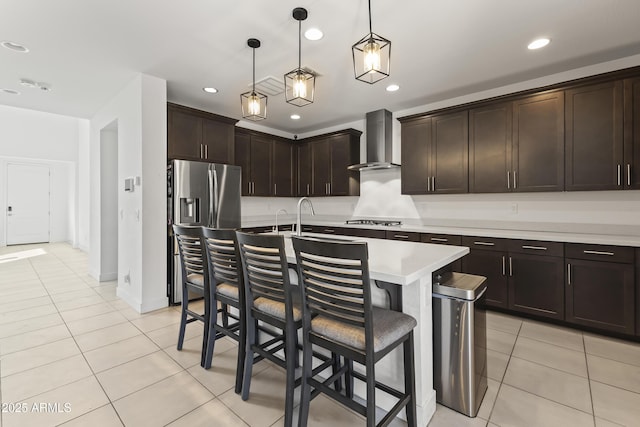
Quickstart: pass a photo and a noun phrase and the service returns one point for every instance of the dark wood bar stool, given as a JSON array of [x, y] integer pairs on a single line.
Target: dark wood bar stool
[[227, 288], [338, 316], [195, 279]]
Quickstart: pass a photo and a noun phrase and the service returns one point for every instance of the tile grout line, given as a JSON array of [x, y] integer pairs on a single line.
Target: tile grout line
[[586, 362]]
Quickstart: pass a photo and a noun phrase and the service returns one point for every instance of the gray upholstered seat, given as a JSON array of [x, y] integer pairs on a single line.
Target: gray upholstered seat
[[277, 309], [196, 279], [228, 290], [388, 327]]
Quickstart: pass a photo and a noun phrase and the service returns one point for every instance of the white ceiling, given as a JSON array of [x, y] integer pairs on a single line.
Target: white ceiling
[[88, 50]]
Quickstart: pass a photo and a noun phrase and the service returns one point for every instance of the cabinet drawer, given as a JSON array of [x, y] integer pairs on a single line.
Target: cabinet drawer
[[365, 232], [486, 243], [536, 247], [407, 236], [599, 252], [442, 239]]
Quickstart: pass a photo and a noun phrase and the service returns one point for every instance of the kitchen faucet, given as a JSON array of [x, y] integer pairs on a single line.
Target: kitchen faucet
[[279, 211], [300, 202]]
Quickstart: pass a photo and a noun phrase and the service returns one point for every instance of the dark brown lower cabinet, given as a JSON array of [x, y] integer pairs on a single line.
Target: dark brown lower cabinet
[[490, 264], [637, 308], [536, 284], [444, 239], [600, 294]]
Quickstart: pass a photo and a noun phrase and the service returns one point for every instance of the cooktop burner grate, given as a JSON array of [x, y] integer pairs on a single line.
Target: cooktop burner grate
[[374, 222]]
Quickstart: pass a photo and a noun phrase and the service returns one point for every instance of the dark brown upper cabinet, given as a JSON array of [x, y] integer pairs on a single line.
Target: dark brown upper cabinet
[[197, 135], [283, 165], [631, 133], [490, 132], [330, 156], [594, 138], [303, 153], [253, 152], [537, 153], [435, 154]]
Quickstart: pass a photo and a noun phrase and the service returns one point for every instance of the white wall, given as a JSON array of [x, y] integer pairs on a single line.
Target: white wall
[[140, 111], [28, 136]]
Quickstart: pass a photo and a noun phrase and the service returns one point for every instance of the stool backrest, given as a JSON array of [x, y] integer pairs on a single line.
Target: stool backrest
[[223, 258], [189, 240], [265, 268], [334, 281]]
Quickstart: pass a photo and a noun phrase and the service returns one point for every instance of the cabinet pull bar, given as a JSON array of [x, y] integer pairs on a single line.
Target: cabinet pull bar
[[308, 192], [438, 239], [400, 236], [249, 187], [428, 184], [484, 243], [329, 230], [510, 267], [508, 180], [538, 248], [515, 182], [504, 270], [206, 152], [629, 174], [569, 274], [619, 171], [433, 183], [598, 253], [201, 155], [329, 184], [275, 189]]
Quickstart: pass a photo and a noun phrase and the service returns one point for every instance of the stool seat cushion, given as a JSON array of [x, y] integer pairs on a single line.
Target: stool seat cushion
[[196, 279], [276, 308], [228, 290], [388, 327]]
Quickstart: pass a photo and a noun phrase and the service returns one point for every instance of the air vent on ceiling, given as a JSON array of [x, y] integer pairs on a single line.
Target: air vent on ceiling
[[270, 86]]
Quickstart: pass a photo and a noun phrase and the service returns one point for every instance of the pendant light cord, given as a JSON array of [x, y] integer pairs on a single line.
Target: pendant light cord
[[254, 71], [370, 30], [299, 45]]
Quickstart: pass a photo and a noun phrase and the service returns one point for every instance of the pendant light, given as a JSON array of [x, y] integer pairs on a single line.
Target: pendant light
[[371, 56], [254, 104], [299, 84]]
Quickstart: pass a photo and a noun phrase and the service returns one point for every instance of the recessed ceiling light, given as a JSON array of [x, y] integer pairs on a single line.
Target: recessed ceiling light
[[538, 43], [10, 91], [392, 88], [14, 46], [313, 34], [210, 89], [295, 117]]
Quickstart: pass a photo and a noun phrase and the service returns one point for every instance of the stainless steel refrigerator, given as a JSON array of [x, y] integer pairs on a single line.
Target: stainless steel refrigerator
[[199, 193]]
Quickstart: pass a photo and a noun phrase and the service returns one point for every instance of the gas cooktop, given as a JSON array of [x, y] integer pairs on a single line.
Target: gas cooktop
[[373, 222]]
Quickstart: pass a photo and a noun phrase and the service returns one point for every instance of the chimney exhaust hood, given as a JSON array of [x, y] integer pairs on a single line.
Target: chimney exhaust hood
[[379, 142]]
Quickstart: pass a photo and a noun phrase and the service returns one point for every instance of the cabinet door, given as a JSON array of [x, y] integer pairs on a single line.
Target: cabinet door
[[536, 285], [184, 136], [217, 138], [637, 307], [492, 265], [282, 171], [538, 143], [600, 294], [243, 159], [261, 165], [594, 137], [632, 133], [449, 159], [304, 169], [416, 141], [321, 166], [490, 148], [342, 180]]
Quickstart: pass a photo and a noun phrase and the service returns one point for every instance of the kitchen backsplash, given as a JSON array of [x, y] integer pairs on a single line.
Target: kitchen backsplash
[[604, 212]]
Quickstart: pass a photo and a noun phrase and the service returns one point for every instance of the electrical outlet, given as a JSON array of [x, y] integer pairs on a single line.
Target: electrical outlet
[[514, 208], [127, 278]]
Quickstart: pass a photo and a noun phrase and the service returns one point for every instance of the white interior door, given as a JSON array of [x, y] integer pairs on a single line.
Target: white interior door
[[27, 204]]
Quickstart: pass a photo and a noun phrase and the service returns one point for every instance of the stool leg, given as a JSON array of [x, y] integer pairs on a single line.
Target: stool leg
[[210, 314], [242, 350], [335, 368], [248, 358], [305, 388], [291, 360], [409, 380], [371, 394], [348, 378], [183, 320]]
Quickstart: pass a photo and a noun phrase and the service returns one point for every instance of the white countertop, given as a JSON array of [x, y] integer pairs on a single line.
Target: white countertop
[[396, 261], [550, 236]]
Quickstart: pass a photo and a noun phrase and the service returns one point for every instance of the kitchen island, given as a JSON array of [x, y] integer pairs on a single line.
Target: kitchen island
[[403, 270]]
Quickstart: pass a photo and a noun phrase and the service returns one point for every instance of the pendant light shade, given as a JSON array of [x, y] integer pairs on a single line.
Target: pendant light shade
[[300, 84], [371, 56], [254, 104]]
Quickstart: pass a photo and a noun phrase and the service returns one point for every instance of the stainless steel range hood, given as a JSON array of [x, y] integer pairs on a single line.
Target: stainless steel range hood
[[379, 142]]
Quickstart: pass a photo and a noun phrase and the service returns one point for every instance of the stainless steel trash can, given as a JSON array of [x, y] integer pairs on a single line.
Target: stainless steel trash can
[[459, 341]]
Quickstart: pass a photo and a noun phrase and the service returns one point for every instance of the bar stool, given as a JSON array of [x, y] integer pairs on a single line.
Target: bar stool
[[227, 288], [338, 316], [195, 278]]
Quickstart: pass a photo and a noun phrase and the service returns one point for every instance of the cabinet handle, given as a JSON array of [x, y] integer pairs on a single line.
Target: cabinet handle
[[484, 243], [537, 248], [428, 184], [515, 182], [329, 184], [598, 253], [438, 239], [619, 172], [569, 274], [510, 267], [206, 152], [504, 268], [433, 183], [329, 230], [508, 180], [400, 236], [249, 187], [308, 192], [629, 174], [201, 155], [275, 189]]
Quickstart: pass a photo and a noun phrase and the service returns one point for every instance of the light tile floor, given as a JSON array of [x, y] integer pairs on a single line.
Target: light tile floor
[[73, 353]]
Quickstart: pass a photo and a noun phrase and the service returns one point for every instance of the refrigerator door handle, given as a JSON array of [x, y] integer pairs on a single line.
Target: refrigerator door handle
[[215, 203], [213, 190]]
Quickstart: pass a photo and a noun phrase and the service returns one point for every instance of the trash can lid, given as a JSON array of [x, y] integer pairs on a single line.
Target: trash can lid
[[459, 285]]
